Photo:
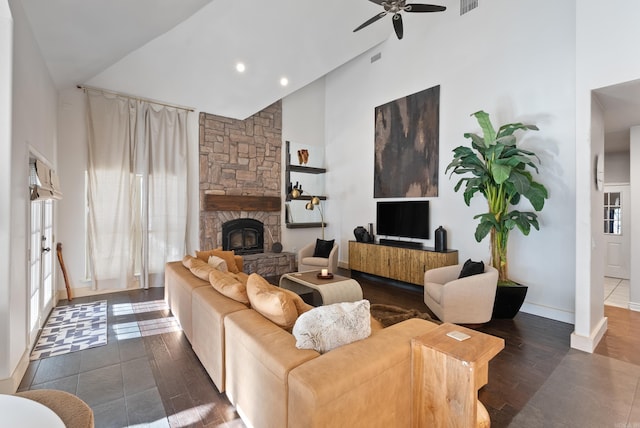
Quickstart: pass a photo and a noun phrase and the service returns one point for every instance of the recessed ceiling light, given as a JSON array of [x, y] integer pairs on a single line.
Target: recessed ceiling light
[[240, 67], [284, 81]]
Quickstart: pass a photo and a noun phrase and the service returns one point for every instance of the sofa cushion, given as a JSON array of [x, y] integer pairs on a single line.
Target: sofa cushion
[[280, 306], [228, 286], [327, 327], [315, 261], [218, 263], [323, 248], [227, 256], [471, 268]]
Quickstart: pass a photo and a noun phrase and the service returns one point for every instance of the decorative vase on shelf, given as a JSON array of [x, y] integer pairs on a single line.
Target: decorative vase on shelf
[[303, 156], [441, 239], [359, 233]]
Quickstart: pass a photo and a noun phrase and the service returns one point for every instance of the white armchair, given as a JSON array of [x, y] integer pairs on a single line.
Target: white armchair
[[467, 300], [306, 261]]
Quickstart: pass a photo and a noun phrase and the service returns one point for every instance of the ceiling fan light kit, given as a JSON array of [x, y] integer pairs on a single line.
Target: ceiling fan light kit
[[394, 7]]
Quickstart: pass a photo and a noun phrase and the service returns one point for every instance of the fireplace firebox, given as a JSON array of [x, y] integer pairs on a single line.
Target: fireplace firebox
[[243, 235]]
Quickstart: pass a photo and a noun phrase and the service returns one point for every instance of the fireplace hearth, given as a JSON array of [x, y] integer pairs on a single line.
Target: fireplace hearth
[[243, 236]]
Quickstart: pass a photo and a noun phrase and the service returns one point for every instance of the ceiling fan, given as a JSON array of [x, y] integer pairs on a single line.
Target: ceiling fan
[[397, 6]]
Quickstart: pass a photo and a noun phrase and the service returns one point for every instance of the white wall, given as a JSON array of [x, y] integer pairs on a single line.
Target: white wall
[[616, 167], [33, 127], [634, 286], [303, 124], [604, 38], [73, 153], [6, 45], [477, 67]]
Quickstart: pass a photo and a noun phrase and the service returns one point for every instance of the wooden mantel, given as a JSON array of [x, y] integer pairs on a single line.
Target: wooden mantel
[[241, 203]]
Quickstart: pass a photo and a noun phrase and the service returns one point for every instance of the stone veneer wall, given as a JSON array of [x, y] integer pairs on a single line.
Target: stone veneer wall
[[240, 157]]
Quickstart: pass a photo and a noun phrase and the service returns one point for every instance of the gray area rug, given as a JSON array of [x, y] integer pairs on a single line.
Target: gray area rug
[[585, 390], [72, 328]]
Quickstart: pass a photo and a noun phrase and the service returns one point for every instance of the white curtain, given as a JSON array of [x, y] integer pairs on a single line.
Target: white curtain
[[137, 189]]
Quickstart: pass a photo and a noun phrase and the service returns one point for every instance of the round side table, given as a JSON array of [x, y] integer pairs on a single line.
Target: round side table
[[25, 413]]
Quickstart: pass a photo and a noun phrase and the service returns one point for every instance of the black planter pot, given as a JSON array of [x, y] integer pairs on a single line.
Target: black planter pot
[[509, 299]]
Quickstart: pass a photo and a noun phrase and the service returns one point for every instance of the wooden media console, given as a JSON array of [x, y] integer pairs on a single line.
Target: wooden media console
[[402, 264]]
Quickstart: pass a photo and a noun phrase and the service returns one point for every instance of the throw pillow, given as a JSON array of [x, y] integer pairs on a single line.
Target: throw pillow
[[200, 269], [327, 327], [323, 248], [228, 286], [218, 263], [471, 268], [278, 305], [187, 260], [240, 276], [227, 256]]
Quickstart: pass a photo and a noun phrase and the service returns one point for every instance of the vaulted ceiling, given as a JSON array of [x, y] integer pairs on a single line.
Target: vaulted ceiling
[[185, 51]]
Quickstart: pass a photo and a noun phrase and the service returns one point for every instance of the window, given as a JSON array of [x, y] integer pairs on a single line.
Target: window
[[612, 213]]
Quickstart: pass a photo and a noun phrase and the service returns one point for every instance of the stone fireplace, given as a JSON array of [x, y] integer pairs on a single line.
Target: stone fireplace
[[240, 158], [243, 235]]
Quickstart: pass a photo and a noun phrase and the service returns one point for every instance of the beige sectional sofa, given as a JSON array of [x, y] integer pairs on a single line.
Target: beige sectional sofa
[[274, 384]]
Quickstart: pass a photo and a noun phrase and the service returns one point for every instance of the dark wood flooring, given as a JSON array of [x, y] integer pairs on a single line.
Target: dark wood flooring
[[534, 347]]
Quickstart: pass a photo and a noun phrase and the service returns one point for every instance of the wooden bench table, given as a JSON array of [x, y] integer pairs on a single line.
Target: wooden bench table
[[447, 375]]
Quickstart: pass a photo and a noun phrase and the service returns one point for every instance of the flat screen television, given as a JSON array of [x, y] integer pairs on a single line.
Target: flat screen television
[[409, 219]]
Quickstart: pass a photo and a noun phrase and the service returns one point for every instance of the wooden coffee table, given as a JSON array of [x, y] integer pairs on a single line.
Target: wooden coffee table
[[325, 291]]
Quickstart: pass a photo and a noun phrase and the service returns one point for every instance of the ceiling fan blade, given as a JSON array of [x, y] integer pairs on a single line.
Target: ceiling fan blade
[[397, 25], [371, 21], [416, 7]]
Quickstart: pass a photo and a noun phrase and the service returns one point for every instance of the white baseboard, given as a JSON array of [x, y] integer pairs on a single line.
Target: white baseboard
[[89, 291], [10, 385], [588, 344], [634, 306], [549, 312]]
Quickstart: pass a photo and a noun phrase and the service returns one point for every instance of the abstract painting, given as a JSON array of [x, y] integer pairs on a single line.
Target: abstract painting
[[406, 146]]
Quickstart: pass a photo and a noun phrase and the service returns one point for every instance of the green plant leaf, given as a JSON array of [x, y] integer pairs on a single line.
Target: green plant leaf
[[500, 172], [520, 182], [536, 194], [487, 128], [510, 128], [477, 142], [483, 230], [524, 220], [468, 194], [507, 140]]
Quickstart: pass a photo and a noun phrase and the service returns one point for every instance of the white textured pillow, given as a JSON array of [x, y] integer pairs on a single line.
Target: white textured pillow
[[327, 327], [218, 263]]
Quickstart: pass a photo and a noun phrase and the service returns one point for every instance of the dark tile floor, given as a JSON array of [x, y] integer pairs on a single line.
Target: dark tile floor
[[146, 375]]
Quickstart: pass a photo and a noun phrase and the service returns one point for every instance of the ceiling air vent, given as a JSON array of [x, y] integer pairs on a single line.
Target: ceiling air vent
[[467, 6], [376, 57]]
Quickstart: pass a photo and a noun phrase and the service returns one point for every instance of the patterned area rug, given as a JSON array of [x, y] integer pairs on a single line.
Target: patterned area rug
[[72, 328]]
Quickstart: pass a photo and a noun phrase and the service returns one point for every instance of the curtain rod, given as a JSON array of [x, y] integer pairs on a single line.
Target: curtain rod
[[133, 97]]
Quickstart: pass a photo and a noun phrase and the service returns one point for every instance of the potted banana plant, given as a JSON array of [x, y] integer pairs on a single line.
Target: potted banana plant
[[496, 168]]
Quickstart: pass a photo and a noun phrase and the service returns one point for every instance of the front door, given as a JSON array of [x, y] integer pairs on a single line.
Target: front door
[[616, 231], [40, 265]]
